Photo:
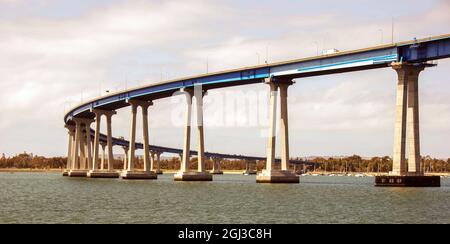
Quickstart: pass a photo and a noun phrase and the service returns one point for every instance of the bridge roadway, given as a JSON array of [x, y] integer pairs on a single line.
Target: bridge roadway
[[406, 58]]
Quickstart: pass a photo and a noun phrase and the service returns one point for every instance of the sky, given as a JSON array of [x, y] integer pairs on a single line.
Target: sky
[[56, 54]]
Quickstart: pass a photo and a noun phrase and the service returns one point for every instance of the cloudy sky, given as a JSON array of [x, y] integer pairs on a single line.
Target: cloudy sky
[[56, 53]]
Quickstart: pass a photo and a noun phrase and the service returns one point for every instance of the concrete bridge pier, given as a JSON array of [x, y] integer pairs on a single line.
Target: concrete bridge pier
[[71, 133], [216, 170], [88, 145], [156, 161], [131, 173], [94, 171], [125, 158], [80, 149], [185, 174], [249, 169], [270, 174], [103, 157], [407, 127], [83, 149]]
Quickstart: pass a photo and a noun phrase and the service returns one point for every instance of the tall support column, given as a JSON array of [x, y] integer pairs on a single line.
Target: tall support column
[[102, 162], [109, 140], [147, 160], [407, 120], [69, 152], [155, 157], [79, 148], [72, 156], [83, 149], [284, 126], [270, 163], [71, 134], [102, 173], [76, 148], [132, 146], [98, 117], [216, 166], [413, 121], [131, 173], [270, 174], [201, 138], [187, 134], [158, 163], [88, 144], [184, 174], [248, 167], [125, 158], [407, 124], [399, 159], [152, 160]]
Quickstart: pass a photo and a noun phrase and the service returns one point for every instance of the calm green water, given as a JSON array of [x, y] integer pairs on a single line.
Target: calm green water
[[51, 198]]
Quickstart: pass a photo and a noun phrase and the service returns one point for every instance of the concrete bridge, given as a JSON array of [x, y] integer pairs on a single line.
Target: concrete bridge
[[407, 59]]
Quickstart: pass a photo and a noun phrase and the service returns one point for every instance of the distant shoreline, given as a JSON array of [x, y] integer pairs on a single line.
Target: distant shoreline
[[234, 172], [15, 170], [29, 170]]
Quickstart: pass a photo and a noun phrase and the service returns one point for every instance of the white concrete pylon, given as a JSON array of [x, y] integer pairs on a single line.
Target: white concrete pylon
[[129, 171], [102, 162], [155, 158], [270, 174], [152, 160], [94, 159], [109, 139], [284, 125], [184, 174], [98, 117], [147, 160], [132, 145], [131, 154], [158, 162], [72, 155], [413, 121], [187, 133], [83, 149], [216, 165], [71, 133], [81, 144], [201, 139], [399, 158], [125, 158], [76, 145], [407, 120], [88, 144], [270, 163]]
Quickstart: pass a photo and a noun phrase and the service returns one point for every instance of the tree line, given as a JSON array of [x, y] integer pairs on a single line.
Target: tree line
[[384, 164], [353, 163]]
